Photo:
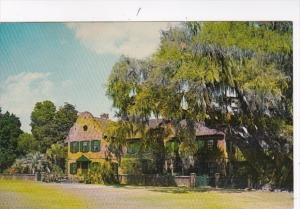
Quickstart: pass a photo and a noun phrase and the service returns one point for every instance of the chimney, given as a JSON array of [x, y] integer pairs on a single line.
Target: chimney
[[104, 116]]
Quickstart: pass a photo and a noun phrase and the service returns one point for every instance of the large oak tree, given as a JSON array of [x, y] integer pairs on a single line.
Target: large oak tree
[[235, 76]]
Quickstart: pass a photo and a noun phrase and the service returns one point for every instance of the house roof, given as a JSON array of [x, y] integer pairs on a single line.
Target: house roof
[[88, 127], [82, 158], [200, 128]]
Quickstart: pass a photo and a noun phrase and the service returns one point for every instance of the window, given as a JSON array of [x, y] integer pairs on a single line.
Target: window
[[74, 147], [95, 146], [84, 146], [200, 144], [85, 127], [133, 148], [73, 168], [210, 144]]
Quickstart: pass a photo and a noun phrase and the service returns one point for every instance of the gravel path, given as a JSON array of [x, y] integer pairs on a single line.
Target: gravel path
[[16, 200], [36, 195], [130, 197], [99, 197]]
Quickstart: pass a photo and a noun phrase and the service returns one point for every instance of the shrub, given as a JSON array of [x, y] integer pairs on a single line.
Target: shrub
[[31, 163], [100, 173], [131, 166], [136, 166]]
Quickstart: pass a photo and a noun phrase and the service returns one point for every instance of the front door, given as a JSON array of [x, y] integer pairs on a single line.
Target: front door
[[84, 166]]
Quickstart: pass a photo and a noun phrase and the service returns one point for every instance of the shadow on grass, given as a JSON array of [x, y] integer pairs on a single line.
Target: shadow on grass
[[154, 188], [187, 190], [178, 190]]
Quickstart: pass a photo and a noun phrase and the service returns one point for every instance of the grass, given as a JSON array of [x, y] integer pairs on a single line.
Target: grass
[[33, 195], [220, 199]]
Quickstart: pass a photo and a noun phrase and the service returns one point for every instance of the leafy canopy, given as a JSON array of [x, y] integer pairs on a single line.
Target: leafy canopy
[[236, 76]]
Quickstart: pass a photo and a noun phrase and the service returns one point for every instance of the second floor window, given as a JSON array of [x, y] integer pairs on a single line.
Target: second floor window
[[95, 146], [74, 147], [84, 146]]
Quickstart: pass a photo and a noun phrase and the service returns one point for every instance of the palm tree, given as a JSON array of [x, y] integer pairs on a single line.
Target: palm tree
[[57, 153], [36, 162]]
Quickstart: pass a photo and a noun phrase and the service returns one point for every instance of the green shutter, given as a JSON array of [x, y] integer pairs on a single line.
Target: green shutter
[[92, 146], [99, 145], [88, 148], [81, 146], [73, 168], [71, 147], [76, 147]]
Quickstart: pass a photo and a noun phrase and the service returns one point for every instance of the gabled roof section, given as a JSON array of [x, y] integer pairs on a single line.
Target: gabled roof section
[[202, 130], [83, 158], [86, 127]]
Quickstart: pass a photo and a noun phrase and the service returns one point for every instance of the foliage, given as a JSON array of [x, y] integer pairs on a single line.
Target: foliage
[[57, 171], [154, 141], [31, 163], [116, 134], [50, 126], [172, 148], [131, 166], [214, 154], [64, 120], [57, 153], [94, 174], [42, 123], [34, 162], [26, 144], [10, 130], [233, 75], [101, 173]]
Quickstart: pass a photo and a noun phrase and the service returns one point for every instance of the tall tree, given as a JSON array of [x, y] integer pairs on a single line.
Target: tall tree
[[64, 119], [10, 129], [236, 76], [154, 141], [43, 125], [26, 144], [50, 126]]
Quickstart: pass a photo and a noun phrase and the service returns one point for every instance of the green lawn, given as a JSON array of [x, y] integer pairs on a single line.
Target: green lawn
[[219, 199], [32, 195]]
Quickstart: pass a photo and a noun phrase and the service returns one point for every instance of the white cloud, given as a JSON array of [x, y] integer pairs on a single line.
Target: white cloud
[[134, 39], [19, 93]]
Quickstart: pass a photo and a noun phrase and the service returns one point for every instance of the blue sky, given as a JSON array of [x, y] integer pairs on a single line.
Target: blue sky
[[66, 62]]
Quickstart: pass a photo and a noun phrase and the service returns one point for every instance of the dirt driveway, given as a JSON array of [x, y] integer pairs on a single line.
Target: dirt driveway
[[131, 197]]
